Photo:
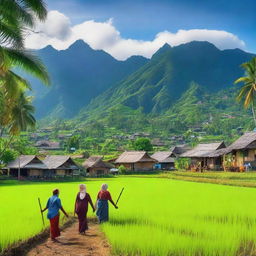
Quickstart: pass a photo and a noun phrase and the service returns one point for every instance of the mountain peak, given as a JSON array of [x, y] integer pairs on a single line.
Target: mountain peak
[[203, 45], [80, 44], [166, 47], [48, 48]]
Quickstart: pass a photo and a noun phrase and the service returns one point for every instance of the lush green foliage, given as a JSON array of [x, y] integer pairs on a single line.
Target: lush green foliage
[[143, 144], [182, 163], [97, 72], [155, 216], [16, 109], [247, 179], [248, 91], [73, 142]]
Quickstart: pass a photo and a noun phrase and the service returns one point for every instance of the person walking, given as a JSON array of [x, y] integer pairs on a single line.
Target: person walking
[[102, 204], [81, 208], [53, 206]]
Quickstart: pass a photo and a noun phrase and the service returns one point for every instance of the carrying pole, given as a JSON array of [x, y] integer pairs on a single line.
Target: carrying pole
[[119, 195], [40, 206]]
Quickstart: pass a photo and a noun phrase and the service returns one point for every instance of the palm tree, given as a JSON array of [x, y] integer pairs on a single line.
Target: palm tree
[[15, 17], [22, 114], [248, 90]]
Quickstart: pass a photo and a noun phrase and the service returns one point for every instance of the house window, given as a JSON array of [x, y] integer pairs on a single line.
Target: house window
[[246, 153]]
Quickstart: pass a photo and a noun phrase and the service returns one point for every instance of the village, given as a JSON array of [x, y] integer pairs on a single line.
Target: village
[[240, 156]]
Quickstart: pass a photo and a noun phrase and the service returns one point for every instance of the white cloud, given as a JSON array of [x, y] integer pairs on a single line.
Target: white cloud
[[58, 32]]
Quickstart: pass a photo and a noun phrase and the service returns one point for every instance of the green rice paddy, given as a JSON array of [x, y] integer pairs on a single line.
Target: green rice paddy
[[155, 216]]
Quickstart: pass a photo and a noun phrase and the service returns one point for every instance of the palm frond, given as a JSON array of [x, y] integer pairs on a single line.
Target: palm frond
[[21, 82], [242, 79], [10, 35], [28, 62], [22, 14], [38, 7], [249, 98]]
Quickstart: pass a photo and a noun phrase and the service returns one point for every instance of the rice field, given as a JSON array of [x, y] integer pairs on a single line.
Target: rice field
[[155, 216]]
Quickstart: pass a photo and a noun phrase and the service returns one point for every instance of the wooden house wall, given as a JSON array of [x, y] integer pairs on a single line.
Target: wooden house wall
[[241, 157], [144, 166], [94, 171], [139, 166], [35, 172]]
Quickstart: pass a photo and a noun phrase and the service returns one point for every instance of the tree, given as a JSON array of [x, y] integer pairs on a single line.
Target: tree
[[143, 144], [248, 90], [16, 17], [73, 142], [22, 114]]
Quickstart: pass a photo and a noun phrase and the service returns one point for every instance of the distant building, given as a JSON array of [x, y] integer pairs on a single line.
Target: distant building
[[202, 156], [158, 142], [48, 145], [95, 166], [179, 149], [32, 167], [165, 160], [243, 151], [61, 165], [135, 161], [26, 166]]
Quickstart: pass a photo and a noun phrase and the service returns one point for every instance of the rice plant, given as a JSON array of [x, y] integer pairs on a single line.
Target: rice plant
[[155, 216]]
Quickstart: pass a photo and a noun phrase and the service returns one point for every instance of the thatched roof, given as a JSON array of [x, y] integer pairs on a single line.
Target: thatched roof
[[217, 153], [59, 161], [163, 156], [244, 141], [134, 157], [248, 140], [47, 144], [204, 150], [179, 149], [96, 162], [27, 161]]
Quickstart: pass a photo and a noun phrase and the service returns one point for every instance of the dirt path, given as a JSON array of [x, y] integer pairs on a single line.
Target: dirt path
[[73, 244]]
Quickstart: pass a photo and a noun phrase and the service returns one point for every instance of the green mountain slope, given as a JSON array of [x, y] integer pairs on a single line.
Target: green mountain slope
[[78, 75], [156, 86]]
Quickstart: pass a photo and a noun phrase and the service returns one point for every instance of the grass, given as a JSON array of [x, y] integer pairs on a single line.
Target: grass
[[247, 179], [155, 216]]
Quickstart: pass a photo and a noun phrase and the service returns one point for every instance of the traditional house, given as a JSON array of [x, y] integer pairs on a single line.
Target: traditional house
[[95, 166], [60, 165], [242, 151], [204, 156], [158, 142], [48, 145], [26, 166], [179, 149], [136, 161], [165, 160]]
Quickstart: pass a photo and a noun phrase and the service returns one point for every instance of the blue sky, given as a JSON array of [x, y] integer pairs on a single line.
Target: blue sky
[[143, 19], [124, 28]]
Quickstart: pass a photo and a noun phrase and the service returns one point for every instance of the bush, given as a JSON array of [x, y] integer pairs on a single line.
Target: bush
[[143, 144], [8, 156], [121, 169], [182, 163]]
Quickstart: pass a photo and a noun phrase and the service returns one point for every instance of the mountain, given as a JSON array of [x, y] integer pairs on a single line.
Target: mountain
[[160, 83], [78, 75]]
